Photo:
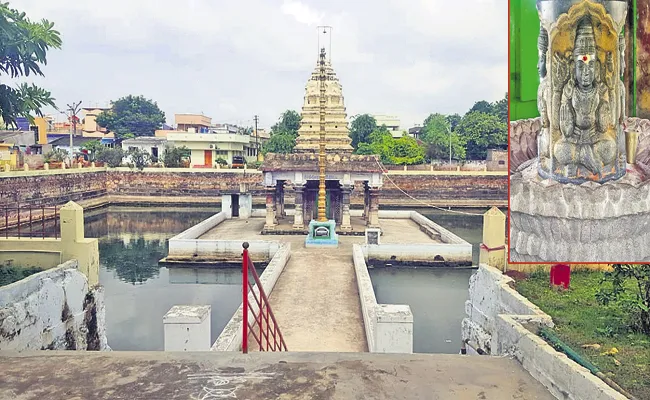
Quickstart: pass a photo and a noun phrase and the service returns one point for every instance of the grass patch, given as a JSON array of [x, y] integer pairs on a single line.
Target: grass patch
[[581, 320], [12, 273]]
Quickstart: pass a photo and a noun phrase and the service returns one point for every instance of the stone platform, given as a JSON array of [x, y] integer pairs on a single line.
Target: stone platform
[[208, 375]]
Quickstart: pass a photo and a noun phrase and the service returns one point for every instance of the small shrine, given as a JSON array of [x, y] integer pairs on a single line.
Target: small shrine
[[321, 174]]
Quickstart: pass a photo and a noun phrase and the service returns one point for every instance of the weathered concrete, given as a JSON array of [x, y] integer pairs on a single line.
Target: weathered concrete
[[388, 327], [187, 328], [53, 309], [499, 321], [158, 375]]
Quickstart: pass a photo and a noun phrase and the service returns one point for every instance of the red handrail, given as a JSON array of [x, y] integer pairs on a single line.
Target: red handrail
[[264, 319]]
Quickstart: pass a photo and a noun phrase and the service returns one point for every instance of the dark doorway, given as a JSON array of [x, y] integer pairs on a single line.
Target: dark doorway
[[235, 205]]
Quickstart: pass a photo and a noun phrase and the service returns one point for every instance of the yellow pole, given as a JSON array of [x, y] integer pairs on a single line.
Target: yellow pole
[[322, 216]]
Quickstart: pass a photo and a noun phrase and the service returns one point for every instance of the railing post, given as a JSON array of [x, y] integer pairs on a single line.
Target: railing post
[[244, 266]]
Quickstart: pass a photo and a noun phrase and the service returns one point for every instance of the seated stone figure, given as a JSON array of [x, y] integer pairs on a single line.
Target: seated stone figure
[[588, 136]]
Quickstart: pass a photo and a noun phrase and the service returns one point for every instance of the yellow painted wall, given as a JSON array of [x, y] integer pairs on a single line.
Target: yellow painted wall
[[41, 123]]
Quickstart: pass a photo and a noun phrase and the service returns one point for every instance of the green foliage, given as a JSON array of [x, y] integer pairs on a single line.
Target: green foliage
[[482, 106], [435, 134], [288, 123], [361, 128], [138, 158], [400, 151], [279, 143], [111, 156], [500, 109], [634, 297], [132, 116], [480, 132], [221, 161], [23, 49], [255, 164], [12, 273], [93, 147], [134, 262], [173, 156], [56, 155], [581, 319]]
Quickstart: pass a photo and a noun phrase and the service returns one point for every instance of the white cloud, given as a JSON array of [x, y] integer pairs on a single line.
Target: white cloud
[[234, 59]]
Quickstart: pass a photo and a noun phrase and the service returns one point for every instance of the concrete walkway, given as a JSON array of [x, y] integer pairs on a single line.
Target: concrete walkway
[[61, 375], [316, 300]]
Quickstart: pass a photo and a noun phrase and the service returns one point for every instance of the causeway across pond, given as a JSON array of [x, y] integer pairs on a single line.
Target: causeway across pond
[[316, 300]]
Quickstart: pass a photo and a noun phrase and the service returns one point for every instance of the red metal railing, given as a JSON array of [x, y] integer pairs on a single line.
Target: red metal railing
[[264, 328], [29, 222]]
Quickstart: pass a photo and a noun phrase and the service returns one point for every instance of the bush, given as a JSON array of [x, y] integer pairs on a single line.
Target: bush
[[56, 155], [111, 156], [254, 164], [221, 161], [12, 273], [173, 156], [629, 285], [138, 158]]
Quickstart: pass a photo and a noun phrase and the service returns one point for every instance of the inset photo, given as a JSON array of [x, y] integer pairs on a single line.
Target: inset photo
[[579, 134]]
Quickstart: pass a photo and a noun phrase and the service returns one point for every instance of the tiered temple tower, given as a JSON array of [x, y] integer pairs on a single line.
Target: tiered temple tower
[[336, 125]]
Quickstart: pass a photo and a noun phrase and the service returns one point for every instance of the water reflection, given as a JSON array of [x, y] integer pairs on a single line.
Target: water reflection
[[134, 260], [138, 292]]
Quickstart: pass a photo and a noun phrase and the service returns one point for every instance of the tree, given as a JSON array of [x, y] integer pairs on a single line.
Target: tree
[[480, 132], [132, 116], [280, 143], [629, 284], [289, 122], [173, 156], [23, 49], [500, 109], [481, 106], [361, 128], [93, 147], [435, 134], [454, 120], [111, 156], [138, 158], [400, 151]]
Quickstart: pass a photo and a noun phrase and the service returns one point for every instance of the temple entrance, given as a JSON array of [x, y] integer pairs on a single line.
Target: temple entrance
[[332, 200]]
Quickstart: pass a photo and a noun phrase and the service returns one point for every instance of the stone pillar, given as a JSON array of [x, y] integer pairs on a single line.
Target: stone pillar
[[394, 329], [75, 246], [308, 203], [373, 208], [298, 218], [187, 328], [493, 248], [366, 201], [280, 211], [26, 167], [46, 166], [346, 224], [270, 210]]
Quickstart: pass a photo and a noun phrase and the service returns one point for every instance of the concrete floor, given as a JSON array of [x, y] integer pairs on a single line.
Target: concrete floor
[[61, 375], [316, 301]]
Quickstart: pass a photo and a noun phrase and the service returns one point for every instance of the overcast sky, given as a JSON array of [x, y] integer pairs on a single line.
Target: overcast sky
[[234, 59]]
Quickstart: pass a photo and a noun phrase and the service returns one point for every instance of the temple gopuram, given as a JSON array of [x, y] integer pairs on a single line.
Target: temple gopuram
[[297, 174]]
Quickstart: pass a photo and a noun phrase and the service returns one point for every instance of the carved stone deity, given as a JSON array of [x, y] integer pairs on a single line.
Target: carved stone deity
[[581, 105]]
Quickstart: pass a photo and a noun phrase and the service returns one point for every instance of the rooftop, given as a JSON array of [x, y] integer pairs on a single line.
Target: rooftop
[[309, 162]]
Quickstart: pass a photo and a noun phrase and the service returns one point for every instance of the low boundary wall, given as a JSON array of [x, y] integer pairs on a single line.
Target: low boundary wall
[[55, 310], [497, 321], [454, 251], [230, 338], [389, 327], [186, 247]]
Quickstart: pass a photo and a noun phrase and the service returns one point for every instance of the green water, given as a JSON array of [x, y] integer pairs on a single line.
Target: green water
[[138, 292]]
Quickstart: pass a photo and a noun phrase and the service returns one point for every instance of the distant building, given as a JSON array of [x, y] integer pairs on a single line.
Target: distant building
[[154, 146], [415, 132], [207, 142], [497, 160], [89, 126], [392, 124]]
